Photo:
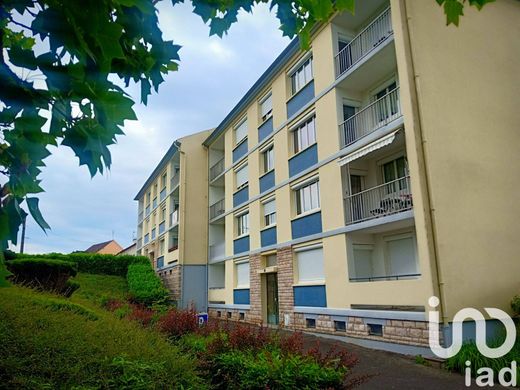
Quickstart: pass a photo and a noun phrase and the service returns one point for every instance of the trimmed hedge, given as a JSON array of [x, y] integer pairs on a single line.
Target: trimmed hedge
[[44, 274], [93, 263], [144, 285]]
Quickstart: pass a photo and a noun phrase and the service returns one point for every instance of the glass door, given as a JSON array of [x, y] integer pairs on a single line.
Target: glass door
[[272, 298]]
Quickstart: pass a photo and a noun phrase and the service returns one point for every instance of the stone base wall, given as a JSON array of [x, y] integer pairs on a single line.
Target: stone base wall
[[234, 316], [171, 279], [255, 289], [284, 258]]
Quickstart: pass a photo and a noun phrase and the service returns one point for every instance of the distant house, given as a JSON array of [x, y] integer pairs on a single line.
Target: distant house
[[129, 250], [108, 247]]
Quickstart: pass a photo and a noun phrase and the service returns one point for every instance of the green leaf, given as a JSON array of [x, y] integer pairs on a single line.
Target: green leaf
[[346, 5], [453, 10], [4, 273], [34, 209], [323, 10], [480, 3]]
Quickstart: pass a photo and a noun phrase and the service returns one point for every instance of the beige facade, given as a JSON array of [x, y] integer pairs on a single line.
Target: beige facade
[[172, 230], [389, 152]]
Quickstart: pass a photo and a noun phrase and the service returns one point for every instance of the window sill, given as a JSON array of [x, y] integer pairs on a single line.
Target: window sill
[[242, 236], [266, 173], [268, 227], [305, 214], [240, 143], [308, 284], [241, 188], [265, 121]]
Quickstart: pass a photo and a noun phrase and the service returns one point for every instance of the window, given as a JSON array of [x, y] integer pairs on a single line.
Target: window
[[308, 198], [340, 326], [242, 271], [375, 329], [394, 170], [270, 212], [310, 323], [266, 107], [270, 260], [241, 176], [153, 234], [163, 214], [219, 313], [161, 248], [401, 255], [229, 314], [301, 76], [363, 260], [304, 135], [163, 180], [241, 316], [310, 264], [241, 131], [268, 159], [243, 224]]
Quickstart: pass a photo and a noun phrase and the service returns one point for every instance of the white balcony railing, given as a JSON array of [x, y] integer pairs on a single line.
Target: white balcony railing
[[216, 169], [217, 250], [174, 218], [385, 199], [366, 41], [370, 118], [174, 182], [216, 209]]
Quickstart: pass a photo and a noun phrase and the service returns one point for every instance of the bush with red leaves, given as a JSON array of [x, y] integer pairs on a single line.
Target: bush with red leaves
[[113, 304], [176, 323], [141, 314], [247, 337], [292, 344]]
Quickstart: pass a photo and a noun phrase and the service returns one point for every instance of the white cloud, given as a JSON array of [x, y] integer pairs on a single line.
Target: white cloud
[[214, 74]]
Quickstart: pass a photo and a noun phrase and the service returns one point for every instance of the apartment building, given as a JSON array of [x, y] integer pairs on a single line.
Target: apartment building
[[355, 180], [171, 229]]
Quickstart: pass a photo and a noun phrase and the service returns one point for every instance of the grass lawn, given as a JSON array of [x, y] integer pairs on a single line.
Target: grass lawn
[[47, 341]]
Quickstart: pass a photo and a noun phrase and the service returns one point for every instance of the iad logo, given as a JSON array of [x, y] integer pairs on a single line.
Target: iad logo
[[486, 375]]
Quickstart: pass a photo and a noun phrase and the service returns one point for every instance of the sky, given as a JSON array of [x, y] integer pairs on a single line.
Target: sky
[[214, 74]]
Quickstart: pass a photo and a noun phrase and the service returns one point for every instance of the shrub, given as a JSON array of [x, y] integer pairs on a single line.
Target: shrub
[[515, 304], [141, 314], [176, 323], [44, 274], [59, 305], [247, 337], [271, 369], [144, 285], [70, 287]]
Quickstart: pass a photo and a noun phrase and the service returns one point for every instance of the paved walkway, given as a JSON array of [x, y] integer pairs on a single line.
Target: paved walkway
[[391, 370]]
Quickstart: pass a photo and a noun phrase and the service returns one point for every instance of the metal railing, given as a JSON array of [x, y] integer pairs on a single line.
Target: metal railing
[[363, 43], [370, 118], [216, 209], [388, 277], [217, 250], [174, 217], [385, 199], [216, 169], [174, 182]]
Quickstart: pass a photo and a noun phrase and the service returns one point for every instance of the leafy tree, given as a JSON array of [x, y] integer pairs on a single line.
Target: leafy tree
[[60, 91]]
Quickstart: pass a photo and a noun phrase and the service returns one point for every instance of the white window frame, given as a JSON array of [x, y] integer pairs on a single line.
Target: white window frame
[[268, 161], [242, 224], [266, 114], [270, 218], [307, 197], [239, 170], [237, 127], [304, 135], [301, 74], [320, 278]]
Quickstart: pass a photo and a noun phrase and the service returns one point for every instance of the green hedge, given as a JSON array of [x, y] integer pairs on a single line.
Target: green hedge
[[515, 304], [96, 263], [144, 285], [45, 274]]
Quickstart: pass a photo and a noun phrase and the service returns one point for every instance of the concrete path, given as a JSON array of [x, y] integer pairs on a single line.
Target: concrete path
[[391, 370]]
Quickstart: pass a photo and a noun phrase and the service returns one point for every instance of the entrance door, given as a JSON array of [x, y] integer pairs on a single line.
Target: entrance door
[[272, 298]]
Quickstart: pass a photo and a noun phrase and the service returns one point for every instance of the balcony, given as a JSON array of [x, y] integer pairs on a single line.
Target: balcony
[[364, 43], [217, 251], [174, 218], [217, 209], [174, 182], [386, 199], [216, 169], [371, 118]]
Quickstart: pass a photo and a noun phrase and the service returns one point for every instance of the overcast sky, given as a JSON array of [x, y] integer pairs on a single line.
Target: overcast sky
[[214, 74]]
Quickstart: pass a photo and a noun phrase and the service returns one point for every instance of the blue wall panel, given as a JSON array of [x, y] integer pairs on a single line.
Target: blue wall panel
[[241, 297], [268, 236], [313, 296], [303, 160], [265, 129], [304, 96], [267, 181], [240, 151], [241, 245], [241, 196], [306, 226]]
